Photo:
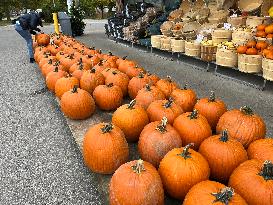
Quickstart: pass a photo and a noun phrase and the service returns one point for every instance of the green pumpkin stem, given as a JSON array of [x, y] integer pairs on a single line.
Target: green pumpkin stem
[[169, 78], [107, 128], [75, 89], [162, 126], [110, 85], [193, 115], [93, 70], [57, 63], [246, 110], [110, 53], [114, 72], [81, 66], [132, 104], [267, 170], [124, 57], [148, 87], [141, 75], [169, 103], [138, 167], [212, 96], [186, 154], [224, 196], [101, 62], [224, 136], [50, 61], [56, 69], [185, 87]]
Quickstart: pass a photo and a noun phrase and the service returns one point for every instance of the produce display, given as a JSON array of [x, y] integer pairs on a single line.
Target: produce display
[[173, 129]]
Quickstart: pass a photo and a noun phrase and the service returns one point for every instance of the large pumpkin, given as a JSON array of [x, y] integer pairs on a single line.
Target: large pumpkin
[[223, 155], [42, 39], [192, 127], [52, 78], [105, 148], [67, 61], [167, 86], [90, 80], [261, 149], [163, 108], [148, 95], [136, 183], [124, 64], [108, 97], [136, 84], [253, 180], [131, 119], [243, 125], [120, 79], [185, 98], [181, 169], [212, 193], [134, 71], [80, 65], [156, 140], [77, 104], [65, 84], [211, 108]]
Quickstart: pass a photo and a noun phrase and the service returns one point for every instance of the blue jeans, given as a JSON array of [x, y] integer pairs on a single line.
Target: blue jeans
[[27, 36]]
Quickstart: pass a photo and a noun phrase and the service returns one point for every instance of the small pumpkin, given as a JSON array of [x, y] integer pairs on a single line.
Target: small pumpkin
[[223, 154], [270, 55], [261, 45], [105, 148], [253, 180], [261, 149], [107, 71], [211, 108], [181, 169], [47, 69], [79, 65], [52, 78], [78, 73], [241, 49], [164, 108], [261, 34], [211, 193], [192, 127], [243, 125], [136, 84], [90, 80], [59, 55], [108, 97], [148, 95], [134, 71], [251, 51], [156, 140], [42, 39], [251, 44], [269, 29], [68, 61], [65, 84], [131, 119], [124, 64], [261, 27], [153, 78], [167, 86], [269, 35], [77, 104], [136, 182]]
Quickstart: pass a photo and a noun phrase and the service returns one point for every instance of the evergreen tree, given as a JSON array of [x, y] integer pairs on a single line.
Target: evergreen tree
[[77, 16]]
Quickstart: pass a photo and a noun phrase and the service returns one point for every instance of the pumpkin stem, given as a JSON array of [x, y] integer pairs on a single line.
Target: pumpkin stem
[[185, 87], [169, 103], [75, 89], [162, 126], [92, 48], [138, 167], [169, 78], [100, 51], [93, 70], [101, 62], [81, 66], [110, 53], [57, 63], [107, 128], [141, 75], [124, 57], [114, 72], [267, 170], [148, 87], [193, 115], [110, 85], [186, 154], [212, 96], [131, 104], [224, 196], [246, 110], [224, 136], [80, 61], [56, 69]]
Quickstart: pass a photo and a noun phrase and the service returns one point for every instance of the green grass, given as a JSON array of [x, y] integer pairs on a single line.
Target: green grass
[[5, 23]]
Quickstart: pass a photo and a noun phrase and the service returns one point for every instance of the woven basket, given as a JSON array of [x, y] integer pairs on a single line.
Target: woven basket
[[155, 41], [221, 35], [226, 58], [237, 21], [165, 43], [192, 49], [178, 45], [241, 37], [267, 66], [250, 63], [249, 5], [254, 21], [208, 53]]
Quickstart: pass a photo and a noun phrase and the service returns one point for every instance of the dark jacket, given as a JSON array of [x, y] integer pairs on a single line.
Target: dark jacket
[[30, 21]]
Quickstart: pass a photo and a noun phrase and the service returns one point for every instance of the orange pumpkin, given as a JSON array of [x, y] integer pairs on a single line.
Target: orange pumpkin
[[42, 39], [266, 51], [251, 44], [261, 149], [79, 65], [261, 34], [65, 84], [269, 29], [90, 80], [261, 27], [134, 71], [52, 78], [241, 49], [252, 51], [167, 86], [269, 35], [261, 45], [136, 84], [120, 79], [270, 55]]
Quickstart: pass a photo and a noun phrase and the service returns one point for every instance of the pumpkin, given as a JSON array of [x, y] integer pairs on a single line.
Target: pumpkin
[[42, 39], [261, 45], [167, 86], [211, 108], [185, 98], [147, 95], [253, 180], [42, 55], [46, 65], [270, 55], [136, 183], [47, 69], [108, 71], [261, 27], [134, 71], [108, 97], [269, 35], [268, 29], [181, 169], [120, 79], [78, 73], [38, 51], [77, 104], [153, 78], [54, 49], [241, 49], [68, 61], [110, 64], [156, 140], [52, 78], [99, 67], [131, 119], [79, 66], [45, 60], [261, 34], [223, 154], [266, 52], [192, 127], [136, 84], [65, 84], [95, 60], [270, 47], [124, 64], [90, 80], [105, 148], [261, 149], [251, 51], [90, 51], [59, 55], [243, 125], [251, 44], [212, 193], [164, 108]]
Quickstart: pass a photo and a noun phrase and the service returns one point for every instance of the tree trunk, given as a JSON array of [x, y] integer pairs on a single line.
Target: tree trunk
[[102, 12], [119, 6]]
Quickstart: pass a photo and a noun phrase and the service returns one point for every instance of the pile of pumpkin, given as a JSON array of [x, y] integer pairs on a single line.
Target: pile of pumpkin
[[254, 47], [265, 31], [180, 155]]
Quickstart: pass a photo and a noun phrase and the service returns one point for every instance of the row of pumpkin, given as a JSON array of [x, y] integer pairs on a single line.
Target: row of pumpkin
[[173, 130]]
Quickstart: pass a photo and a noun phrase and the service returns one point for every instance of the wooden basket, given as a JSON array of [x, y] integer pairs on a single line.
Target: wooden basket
[[221, 35], [267, 66], [237, 21], [165, 43], [208, 53], [226, 58], [178, 45], [254, 21], [241, 37], [250, 63], [155, 41], [192, 49]]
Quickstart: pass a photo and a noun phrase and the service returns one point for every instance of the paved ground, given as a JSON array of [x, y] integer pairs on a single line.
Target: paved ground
[[40, 162]]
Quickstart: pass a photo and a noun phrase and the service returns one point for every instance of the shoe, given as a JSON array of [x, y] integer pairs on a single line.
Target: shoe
[[31, 60]]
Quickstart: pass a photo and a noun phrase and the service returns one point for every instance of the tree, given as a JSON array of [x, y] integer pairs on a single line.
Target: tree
[[77, 16]]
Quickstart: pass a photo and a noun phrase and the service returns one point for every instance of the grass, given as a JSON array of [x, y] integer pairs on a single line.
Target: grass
[[5, 23]]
